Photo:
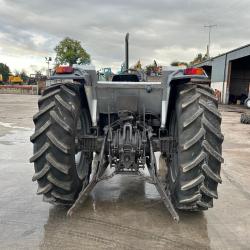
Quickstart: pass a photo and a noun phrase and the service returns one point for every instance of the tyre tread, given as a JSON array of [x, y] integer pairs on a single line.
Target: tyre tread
[[55, 169], [199, 152]]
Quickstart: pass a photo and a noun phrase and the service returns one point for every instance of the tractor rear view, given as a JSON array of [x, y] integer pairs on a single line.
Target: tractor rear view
[[84, 126]]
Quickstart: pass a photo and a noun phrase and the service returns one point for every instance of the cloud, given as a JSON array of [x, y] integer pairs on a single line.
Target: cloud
[[162, 30]]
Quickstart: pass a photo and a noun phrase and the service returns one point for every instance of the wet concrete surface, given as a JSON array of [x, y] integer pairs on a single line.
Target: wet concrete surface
[[123, 212]]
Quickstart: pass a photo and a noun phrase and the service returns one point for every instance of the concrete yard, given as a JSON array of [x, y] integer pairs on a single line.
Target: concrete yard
[[123, 212]]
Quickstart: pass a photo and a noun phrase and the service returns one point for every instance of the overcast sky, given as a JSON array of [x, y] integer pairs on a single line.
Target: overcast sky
[[159, 29]]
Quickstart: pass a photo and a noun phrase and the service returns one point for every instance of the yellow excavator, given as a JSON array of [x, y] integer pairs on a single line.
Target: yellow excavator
[[15, 80]]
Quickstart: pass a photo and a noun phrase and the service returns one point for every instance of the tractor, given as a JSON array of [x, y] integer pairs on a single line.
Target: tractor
[[85, 126]]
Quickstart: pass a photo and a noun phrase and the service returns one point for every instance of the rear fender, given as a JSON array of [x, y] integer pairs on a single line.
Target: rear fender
[[86, 81], [172, 79]]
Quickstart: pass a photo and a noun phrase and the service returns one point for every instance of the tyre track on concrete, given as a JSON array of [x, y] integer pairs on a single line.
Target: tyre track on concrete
[[236, 184], [82, 241], [159, 240], [112, 233]]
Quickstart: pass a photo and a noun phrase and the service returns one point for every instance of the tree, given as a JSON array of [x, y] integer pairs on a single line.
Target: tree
[[70, 51], [199, 58], [24, 76], [138, 65], [4, 71], [177, 63], [153, 69]]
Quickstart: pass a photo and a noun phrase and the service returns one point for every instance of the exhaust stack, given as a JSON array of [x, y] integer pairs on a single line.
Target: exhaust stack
[[126, 52]]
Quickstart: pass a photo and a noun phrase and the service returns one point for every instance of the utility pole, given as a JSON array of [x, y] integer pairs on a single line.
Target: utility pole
[[210, 26], [48, 60]]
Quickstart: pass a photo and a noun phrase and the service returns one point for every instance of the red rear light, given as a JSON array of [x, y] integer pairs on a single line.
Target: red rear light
[[64, 70], [193, 71]]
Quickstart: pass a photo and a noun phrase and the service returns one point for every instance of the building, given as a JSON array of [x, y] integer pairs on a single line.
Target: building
[[230, 73]]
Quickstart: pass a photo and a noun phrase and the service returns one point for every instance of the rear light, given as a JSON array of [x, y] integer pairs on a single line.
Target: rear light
[[194, 71], [64, 70]]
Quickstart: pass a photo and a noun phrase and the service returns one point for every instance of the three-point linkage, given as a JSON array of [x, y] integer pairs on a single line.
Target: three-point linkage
[[129, 148]]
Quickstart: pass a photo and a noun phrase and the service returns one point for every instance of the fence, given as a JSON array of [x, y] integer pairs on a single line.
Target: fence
[[19, 89]]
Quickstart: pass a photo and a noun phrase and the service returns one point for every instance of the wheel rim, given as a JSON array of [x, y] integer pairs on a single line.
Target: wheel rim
[[174, 157], [78, 158], [248, 103], [81, 159]]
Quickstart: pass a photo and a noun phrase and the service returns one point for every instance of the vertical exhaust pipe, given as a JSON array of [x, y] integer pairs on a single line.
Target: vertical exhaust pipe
[[126, 52]]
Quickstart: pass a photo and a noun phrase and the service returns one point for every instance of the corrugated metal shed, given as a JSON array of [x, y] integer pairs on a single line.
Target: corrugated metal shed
[[221, 71]]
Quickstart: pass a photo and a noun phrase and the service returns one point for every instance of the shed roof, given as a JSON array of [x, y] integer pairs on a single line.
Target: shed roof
[[209, 61]]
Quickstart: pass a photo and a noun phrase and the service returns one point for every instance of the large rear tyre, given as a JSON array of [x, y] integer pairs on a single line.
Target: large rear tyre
[[60, 170], [194, 168]]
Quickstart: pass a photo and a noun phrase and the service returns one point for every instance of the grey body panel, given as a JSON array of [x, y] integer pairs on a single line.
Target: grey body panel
[[111, 97], [135, 97]]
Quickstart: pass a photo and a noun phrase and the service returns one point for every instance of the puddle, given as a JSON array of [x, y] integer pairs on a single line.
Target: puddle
[[11, 125]]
